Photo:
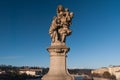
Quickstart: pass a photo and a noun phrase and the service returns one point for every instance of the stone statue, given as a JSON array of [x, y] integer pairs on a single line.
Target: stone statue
[[59, 28]]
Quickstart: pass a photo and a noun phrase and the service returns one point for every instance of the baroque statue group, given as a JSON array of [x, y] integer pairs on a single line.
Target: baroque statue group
[[59, 30], [59, 27]]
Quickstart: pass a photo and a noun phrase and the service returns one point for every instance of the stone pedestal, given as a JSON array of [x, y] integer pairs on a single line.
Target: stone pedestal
[[58, 70]]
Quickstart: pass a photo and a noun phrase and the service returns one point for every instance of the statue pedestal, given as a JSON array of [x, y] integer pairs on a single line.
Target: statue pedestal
[[58, 70]]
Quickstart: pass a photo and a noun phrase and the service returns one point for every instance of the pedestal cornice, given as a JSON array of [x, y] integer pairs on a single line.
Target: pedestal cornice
[[59, 49]]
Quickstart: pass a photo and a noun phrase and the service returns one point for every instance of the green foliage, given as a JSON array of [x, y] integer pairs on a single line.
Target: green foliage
[[109, 76], [106, 74], [80, 71]]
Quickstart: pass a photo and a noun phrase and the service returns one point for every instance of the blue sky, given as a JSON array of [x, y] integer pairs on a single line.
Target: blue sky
[[94, 43]]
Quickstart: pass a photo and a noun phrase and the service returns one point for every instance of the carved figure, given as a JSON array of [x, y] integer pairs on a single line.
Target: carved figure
[[64, 31], [53, 29], [59, 28]]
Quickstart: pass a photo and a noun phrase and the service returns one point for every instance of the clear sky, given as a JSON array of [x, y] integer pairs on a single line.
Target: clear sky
[[94, 43]]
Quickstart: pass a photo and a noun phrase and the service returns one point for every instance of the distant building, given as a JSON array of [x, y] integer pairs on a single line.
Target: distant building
[[113, 70], [33, 72], [2, 72], [100, 70]]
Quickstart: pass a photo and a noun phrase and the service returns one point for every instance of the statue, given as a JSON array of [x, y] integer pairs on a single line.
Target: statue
[[59, 28]]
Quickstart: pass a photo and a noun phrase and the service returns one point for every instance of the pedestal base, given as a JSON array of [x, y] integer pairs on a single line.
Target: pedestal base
[[58, 70], [57, 77]]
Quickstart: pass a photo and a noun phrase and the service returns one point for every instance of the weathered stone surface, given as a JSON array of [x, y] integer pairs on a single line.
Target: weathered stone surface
[[59, 29], [58, 70]]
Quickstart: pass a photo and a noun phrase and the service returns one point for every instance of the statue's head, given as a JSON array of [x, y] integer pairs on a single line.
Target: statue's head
[[60, 8]]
